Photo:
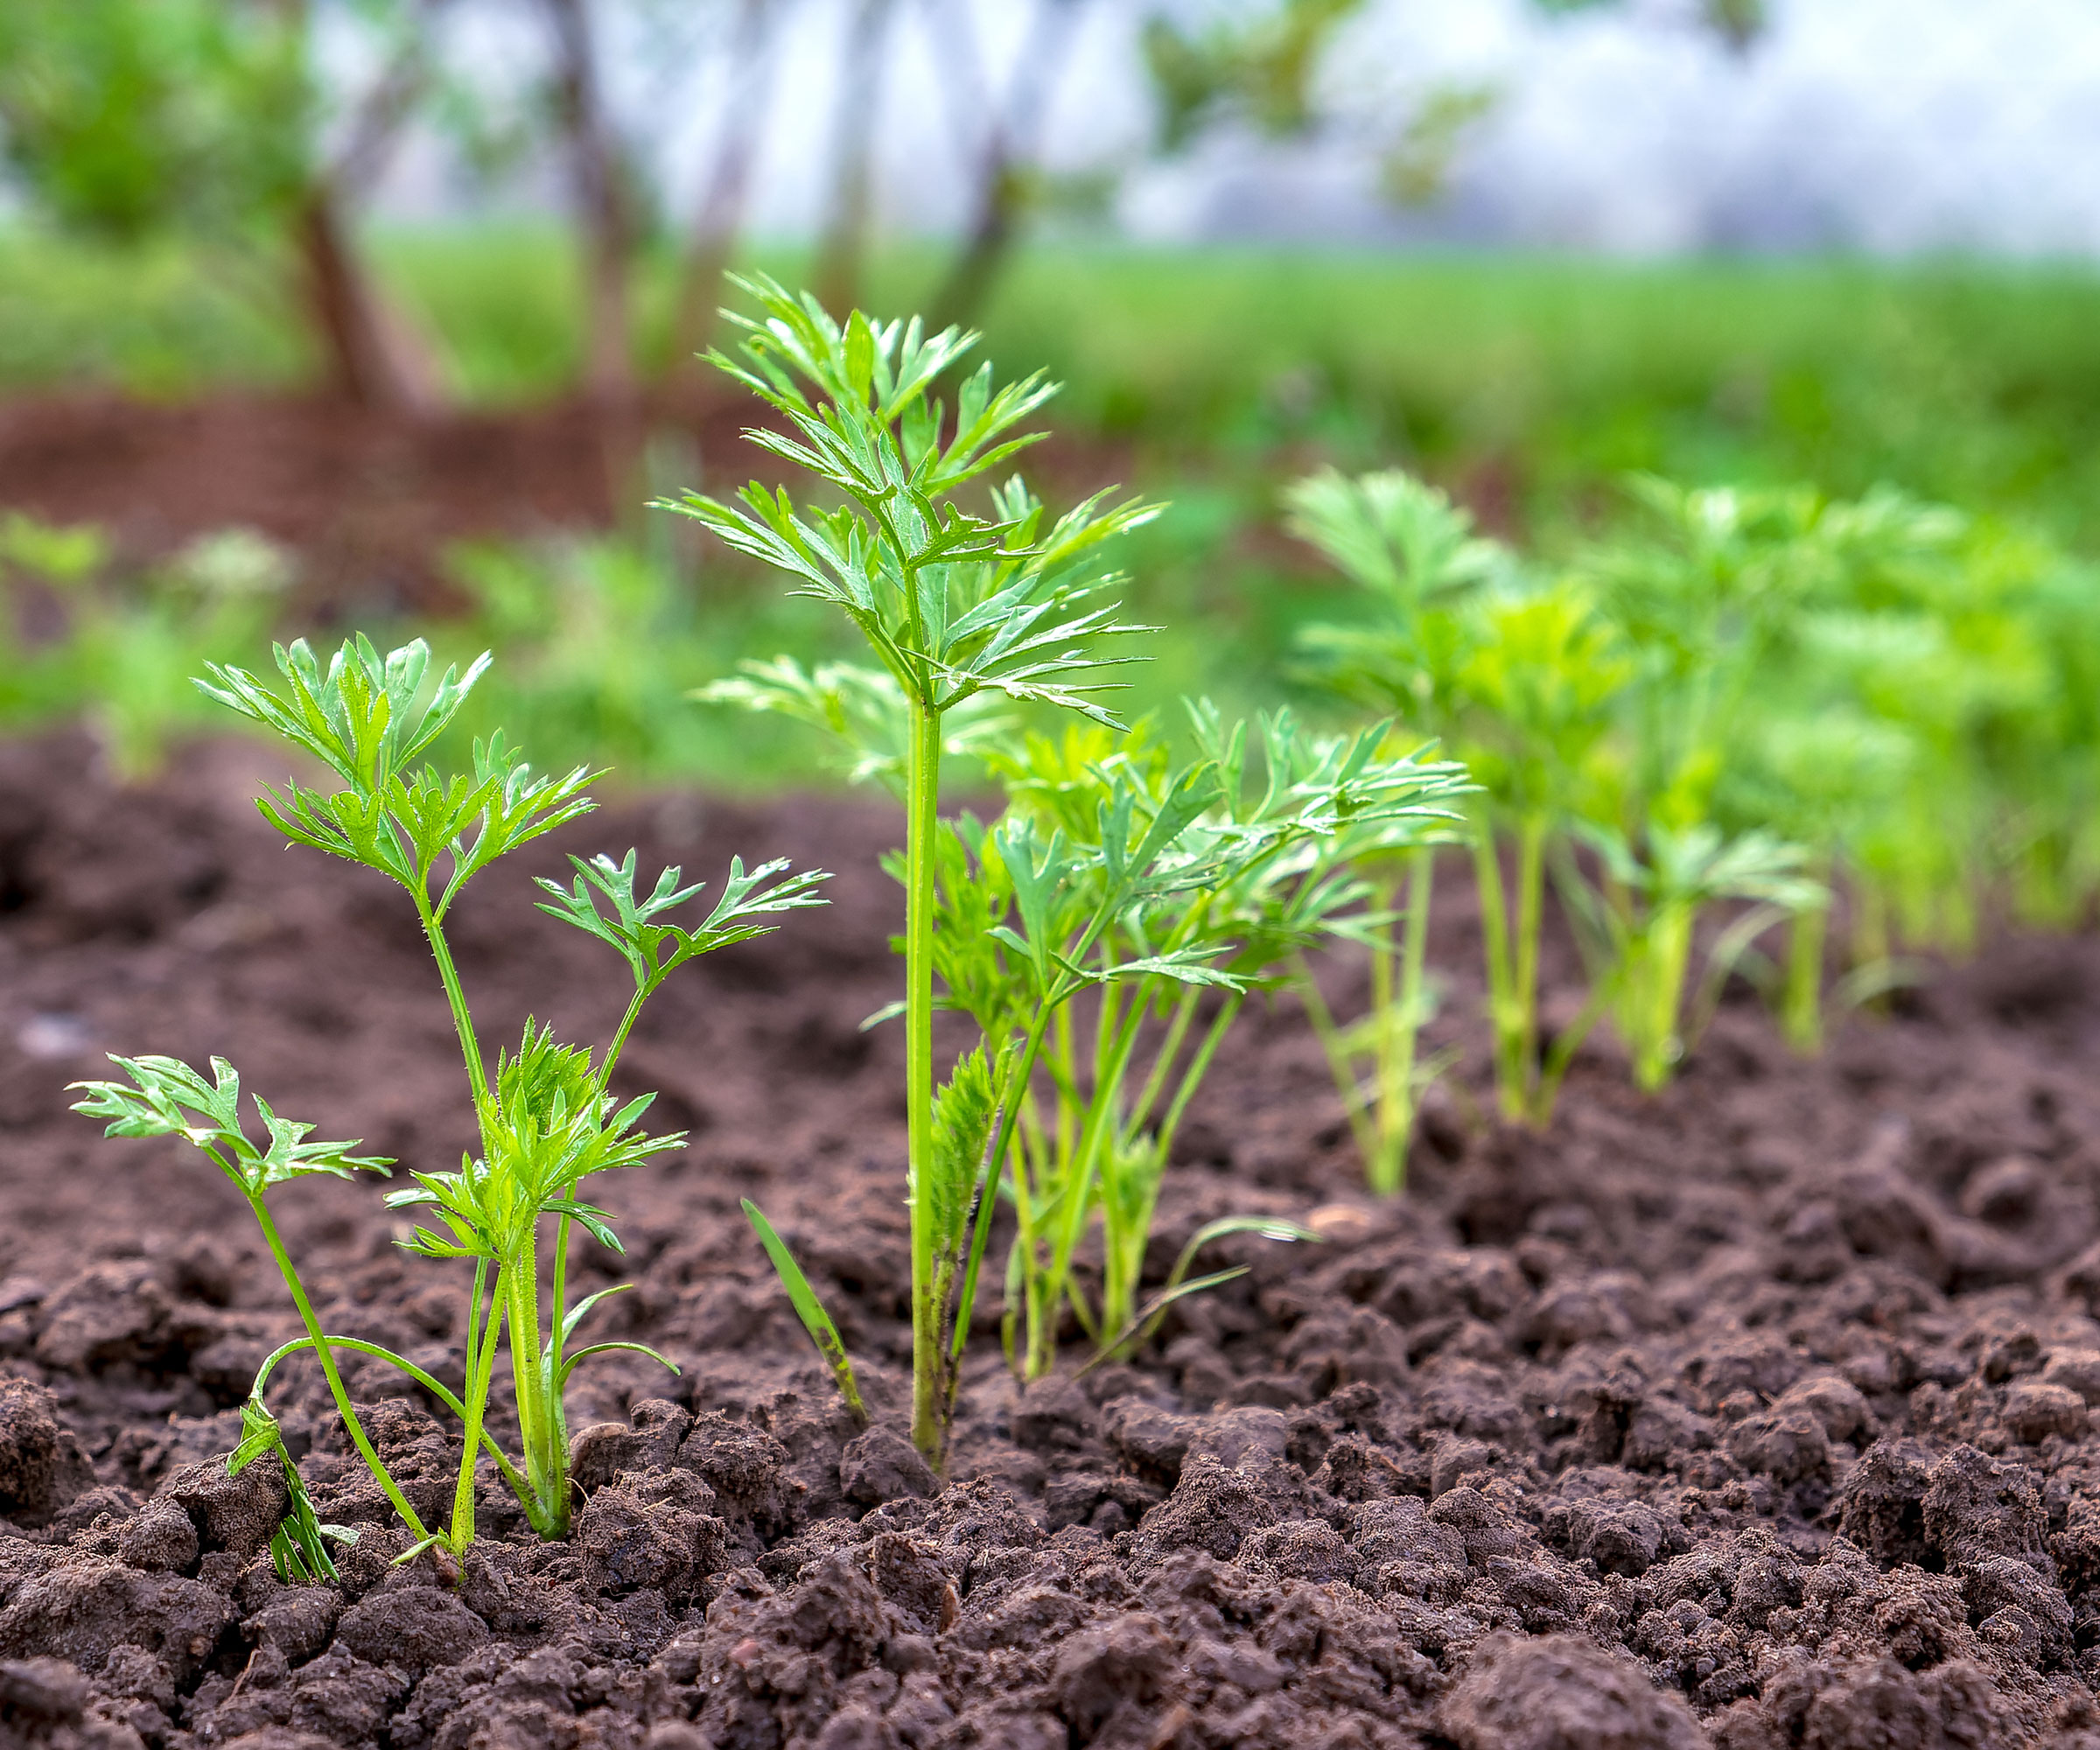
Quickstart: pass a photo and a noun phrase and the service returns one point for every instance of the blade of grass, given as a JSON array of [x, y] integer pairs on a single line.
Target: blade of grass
[[811, 1311]]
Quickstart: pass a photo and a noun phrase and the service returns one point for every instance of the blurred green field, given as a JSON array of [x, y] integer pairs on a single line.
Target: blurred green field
[[1531, 385], [1976, 382]]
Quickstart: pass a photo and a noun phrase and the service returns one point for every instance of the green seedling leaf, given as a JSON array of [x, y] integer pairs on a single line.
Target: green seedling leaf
[[568, 1363], [578, 1312], [366, 717], [653, 949], [168, 1098], [811, 1311], [296, 1547]]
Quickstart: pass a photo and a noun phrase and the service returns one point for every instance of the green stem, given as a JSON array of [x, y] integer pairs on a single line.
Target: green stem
[[1501, 997], [1170, 1051], [1801, 1007], [1199, 1067], [1341, 1062], [463, 1022], [922, 799], [1654, 978], [1396, 1072], [1012, 1098], [481, 1350], [326, 1357], [1530, 915], [435, 1388], [546, 1467], [1074, 1200]]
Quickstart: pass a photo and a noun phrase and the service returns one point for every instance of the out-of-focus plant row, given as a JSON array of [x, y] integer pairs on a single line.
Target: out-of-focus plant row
[[1737, 703], [1765, 697]]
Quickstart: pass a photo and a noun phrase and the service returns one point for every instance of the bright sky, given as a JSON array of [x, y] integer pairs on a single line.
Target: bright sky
[[1884, 125]]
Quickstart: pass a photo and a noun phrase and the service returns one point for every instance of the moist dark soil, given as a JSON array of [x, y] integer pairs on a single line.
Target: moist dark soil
[[1758, 1413]]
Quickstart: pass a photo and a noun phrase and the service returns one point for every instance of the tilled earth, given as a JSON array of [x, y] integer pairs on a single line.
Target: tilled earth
[[1756, 1414]]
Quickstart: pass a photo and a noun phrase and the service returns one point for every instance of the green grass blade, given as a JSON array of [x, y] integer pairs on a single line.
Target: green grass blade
[[811, 1311], [1148, 1315]]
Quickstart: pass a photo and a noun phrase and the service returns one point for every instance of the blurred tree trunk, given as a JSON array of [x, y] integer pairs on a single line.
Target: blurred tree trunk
[[373, 356], [1006, 169], [720, 220], [602, 208], [373, 359], [842, 253]]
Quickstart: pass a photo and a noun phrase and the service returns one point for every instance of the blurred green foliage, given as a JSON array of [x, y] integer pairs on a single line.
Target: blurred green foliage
[[129, 117], [1533, 383]]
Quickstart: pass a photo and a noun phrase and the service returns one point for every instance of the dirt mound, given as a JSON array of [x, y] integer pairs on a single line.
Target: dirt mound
[[1757, 1414]]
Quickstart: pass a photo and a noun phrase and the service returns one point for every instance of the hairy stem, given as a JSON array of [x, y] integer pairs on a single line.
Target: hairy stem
[[546, 1466]]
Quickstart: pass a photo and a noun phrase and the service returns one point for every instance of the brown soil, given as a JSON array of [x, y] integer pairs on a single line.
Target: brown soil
[[368, 501], [1758, 1413]]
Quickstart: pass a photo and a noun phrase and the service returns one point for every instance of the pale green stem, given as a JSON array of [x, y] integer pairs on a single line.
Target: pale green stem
[[1531, 916], [922, 794], [1658, 987], [1801, 1008], [1199, 1067], [1170, 1051], [1075, 1200], [1501, 997], [559, 1301], [1396, 1072], [463, 1021], [546, 1467], [480, 1349], [326, 1357], [435, 1388], [1341, 1063]]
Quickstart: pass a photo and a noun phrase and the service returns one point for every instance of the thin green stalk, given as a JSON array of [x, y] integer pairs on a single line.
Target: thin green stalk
[[1340, 1060], [1199, 1067], [1170, 1052], [1530, 918], [1396, 1066], [559, 1299], [1125, 1251], [1013, 1099], [1800, 1004], [326, 1357], [435, 1388], [546, 1469], [1503, 1008], [1382, 1047], [1074, 1198], [922, 798], [1656, 991], [463, 1021], [481, 1340]]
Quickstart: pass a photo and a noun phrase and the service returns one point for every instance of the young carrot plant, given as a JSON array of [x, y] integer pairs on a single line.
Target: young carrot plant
[[1518, 679], [546, 1118], [955, 603], [1267, 868], [1112, 873]]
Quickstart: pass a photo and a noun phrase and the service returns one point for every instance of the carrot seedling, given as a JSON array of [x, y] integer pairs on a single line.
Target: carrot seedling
[[546, 1118], [956, 602]]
